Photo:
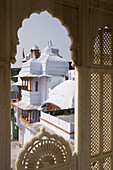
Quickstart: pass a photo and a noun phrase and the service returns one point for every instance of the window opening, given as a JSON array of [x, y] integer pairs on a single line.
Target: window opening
[[102, 48], [28, 37], [36, 86]]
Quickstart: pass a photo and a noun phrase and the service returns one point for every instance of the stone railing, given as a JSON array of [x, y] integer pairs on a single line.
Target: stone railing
[[65, 129], [46, 151]]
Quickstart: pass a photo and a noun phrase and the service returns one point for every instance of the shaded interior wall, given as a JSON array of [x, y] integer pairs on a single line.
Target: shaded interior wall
[[52, 107]]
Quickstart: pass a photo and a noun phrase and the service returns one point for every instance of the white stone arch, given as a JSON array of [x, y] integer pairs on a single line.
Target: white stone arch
[[57, 10]]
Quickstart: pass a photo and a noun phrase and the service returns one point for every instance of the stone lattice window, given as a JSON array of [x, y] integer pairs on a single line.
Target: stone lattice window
[[102, 48], [101, 103], [95, 114], [101, 121], [95, 165], [107, 113]]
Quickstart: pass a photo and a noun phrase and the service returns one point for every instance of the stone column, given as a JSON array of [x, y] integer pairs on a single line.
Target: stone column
[[22, 83], [30, 84], [82, 116], [30, 116], [27, 84], [27, 115], [19, 93], [22, 113], [6, 48], [4, 116]]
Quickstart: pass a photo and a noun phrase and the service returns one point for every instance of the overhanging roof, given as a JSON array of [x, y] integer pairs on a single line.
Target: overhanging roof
[[19, 83], [33, 75], [27, 106]]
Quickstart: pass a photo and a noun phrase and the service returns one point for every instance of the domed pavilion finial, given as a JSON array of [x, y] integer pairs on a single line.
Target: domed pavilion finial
[[50, 42]]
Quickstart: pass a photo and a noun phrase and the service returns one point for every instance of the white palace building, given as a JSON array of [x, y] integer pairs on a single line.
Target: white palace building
[[41, 72]]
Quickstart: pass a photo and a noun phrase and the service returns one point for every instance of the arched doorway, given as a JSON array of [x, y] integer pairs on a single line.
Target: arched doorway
[[40, 28], [73, 48]]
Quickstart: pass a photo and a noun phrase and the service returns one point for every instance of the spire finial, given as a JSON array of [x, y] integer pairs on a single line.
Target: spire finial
[[34, 57], [23, 53], [50, 43]]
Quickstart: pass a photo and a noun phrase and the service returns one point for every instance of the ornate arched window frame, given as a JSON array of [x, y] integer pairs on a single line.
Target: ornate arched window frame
[[102, 48]]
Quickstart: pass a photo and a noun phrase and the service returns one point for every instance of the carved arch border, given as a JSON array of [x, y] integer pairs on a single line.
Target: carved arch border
[[98, 20], [66, 13], [46, 151]]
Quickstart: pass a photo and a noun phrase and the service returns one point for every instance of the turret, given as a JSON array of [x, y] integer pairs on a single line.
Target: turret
[[35, 51]]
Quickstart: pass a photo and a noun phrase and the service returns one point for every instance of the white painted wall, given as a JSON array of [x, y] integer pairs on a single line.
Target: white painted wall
[[20, 136], [19, 112], [45, 85], [26, 135], [31, 97], [43, 89], [35, 98], [34, 84], [48, 87], [35, 67], [70, 74], [60, 123], [56, 80]]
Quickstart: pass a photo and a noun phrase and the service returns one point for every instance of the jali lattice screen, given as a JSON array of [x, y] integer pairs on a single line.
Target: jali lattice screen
[[101, 121], [102, 48], [101, 102]]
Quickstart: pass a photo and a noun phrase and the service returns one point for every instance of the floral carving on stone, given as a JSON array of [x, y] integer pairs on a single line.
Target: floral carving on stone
[[45, 151]]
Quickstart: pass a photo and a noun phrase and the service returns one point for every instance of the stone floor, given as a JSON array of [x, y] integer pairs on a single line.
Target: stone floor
[[14, 152]]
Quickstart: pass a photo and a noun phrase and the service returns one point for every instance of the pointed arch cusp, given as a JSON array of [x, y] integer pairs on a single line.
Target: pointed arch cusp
[[62, 12]]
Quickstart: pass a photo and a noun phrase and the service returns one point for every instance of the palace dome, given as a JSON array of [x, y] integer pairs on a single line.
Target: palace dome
[[62, 95]]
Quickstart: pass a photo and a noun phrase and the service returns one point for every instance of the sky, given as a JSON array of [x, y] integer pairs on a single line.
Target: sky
[[39, 29]]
